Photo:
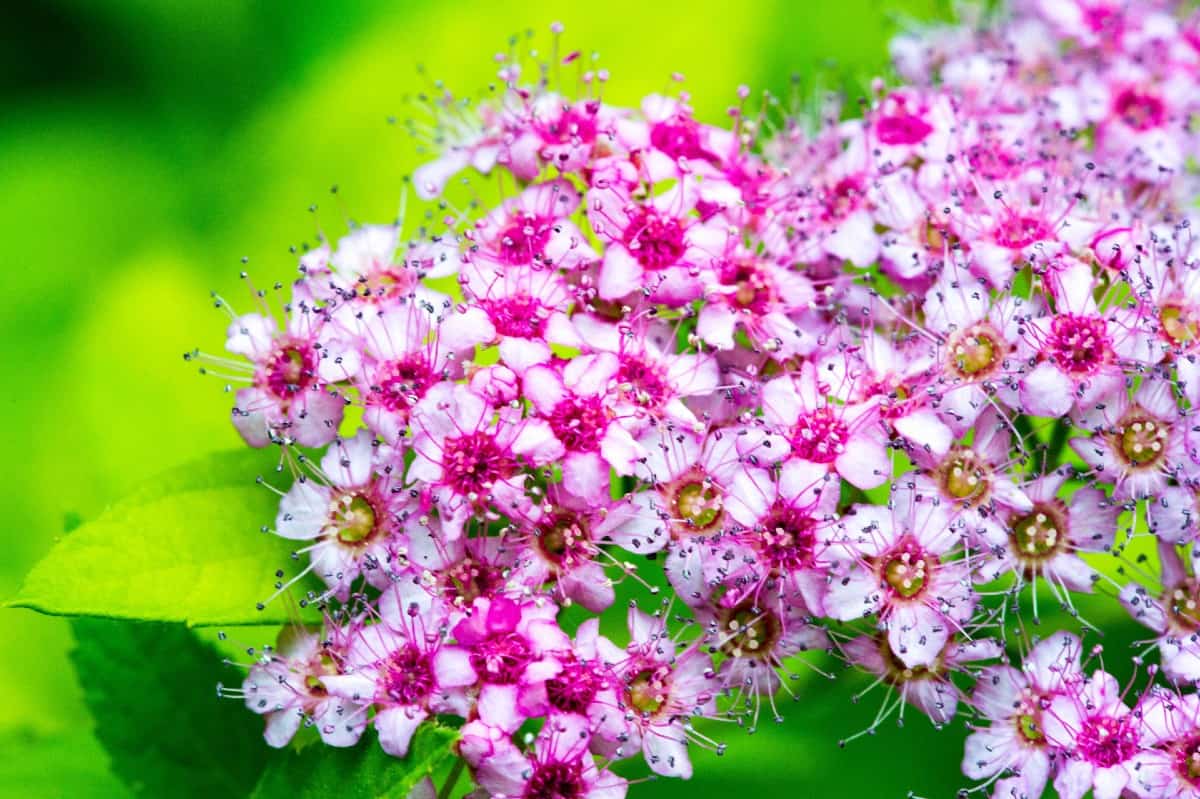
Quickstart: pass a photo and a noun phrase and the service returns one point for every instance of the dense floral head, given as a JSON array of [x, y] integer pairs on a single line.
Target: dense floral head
[[867, 388]]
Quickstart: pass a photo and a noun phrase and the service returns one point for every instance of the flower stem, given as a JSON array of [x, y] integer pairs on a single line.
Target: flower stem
[[451, 779]]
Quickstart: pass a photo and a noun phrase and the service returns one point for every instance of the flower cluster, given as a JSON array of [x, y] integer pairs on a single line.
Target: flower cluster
[[862, 388]]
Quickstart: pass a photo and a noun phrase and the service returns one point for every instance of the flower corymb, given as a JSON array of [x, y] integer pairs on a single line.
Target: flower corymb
[[914, 393]]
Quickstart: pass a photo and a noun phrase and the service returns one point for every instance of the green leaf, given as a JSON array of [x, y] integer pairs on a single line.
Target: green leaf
[[187, 546], [151, 691], [361, 772]]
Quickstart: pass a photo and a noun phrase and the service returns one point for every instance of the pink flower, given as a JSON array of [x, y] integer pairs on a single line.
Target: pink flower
[[287, 400], [285, 686], [1080, 351], [398, 354], [348, 512], [756, 642], [846, 439], [1170, 763], [512, 649], [899, 564], [559, 766], [1139, 443], [402, 668], [588, 687], [581, 402], [974, 481], [926, 687], [654, 381], [759, 298], [472, 456], [562, 546], [656, 246], [662, 691], [1100, 734], [1014, 701], [775, 549], [1046, 539]]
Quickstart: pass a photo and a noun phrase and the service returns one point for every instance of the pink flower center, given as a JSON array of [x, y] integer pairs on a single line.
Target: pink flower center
[[1182, 602], [1139, 110], [991, 161], [524, 239], [403, 383], [906, 569], [473, 462], [1106, 741], [1039, 534], [574, 688], [1078, 344], [697, 502], [789, 540], [290, 370], [679, 137], [556, 781], [469, 579], [747, 631], [975, 353], [649, 689], [579, 423], [502, 658], [1017, 232], [647, 381], [518, 315], [1180, 322], [965, 478], [354, 518], [565, 540], [407, 676], [902, 128], [1187, 760], [1142, 439], [572, 126], [842, 199], [753, 292], [819, 436], [655, 241]]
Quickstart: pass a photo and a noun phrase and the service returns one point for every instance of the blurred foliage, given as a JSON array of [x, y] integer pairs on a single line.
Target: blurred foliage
[[146, 147]]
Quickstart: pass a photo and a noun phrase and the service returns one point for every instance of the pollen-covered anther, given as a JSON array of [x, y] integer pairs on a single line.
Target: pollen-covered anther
[[1143, 440], [976, 352]]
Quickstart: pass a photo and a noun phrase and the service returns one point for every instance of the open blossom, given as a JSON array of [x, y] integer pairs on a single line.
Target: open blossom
[[845, 438], [350, 517], [404, 668], [511, 647], [286, 687], [559, 765], [662, 690], [1015, 701], [580, 402], [1046, 539], [1139, 442], [287, 398], [901, 565], [472, 456], [657, 246], [1100, 734]]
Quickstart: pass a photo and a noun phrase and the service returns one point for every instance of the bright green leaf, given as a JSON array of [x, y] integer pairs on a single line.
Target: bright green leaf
[[360, 772], [151, 690], [188, 546]]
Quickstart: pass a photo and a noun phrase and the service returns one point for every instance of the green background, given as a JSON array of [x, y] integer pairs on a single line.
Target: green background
[[145, 147]]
